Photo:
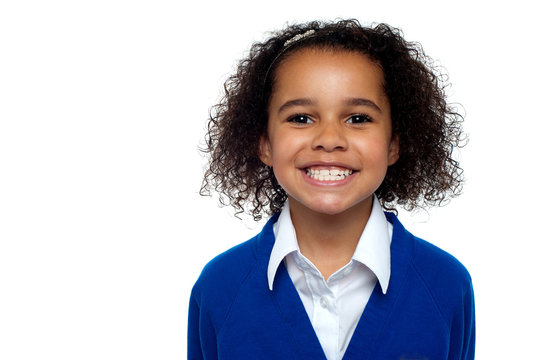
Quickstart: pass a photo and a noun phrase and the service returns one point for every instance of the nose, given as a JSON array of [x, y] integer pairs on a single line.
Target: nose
[[329, 137]]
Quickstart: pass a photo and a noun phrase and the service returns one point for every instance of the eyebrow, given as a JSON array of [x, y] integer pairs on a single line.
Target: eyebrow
[[308, 102], [362, 102], [296, 102]]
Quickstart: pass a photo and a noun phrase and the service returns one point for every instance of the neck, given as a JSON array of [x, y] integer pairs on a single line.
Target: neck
[[329, 241]]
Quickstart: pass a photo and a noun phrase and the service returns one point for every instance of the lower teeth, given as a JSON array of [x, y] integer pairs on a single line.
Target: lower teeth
[[327, 177]]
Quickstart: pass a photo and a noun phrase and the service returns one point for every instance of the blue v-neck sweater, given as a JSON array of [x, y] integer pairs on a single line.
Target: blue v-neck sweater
[[427, 313]]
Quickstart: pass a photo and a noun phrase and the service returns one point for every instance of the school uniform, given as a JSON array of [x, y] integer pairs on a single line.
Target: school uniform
[[261, 300]]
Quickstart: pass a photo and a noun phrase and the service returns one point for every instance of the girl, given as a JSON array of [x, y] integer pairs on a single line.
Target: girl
[[324, 126]]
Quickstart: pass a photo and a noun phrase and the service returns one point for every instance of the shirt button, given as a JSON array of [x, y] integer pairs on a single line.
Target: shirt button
[[323, 302]]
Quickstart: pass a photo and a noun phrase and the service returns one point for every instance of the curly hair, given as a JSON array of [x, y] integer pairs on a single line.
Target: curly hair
[[427, 126]]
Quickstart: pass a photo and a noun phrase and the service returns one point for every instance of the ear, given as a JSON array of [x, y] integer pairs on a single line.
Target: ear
[[394, 150], [265, 154]]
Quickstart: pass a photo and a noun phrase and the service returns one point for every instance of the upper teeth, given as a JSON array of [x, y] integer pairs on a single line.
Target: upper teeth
[[328, 175]]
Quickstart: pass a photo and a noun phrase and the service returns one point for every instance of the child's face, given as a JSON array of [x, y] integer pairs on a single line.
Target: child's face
[[328, 113]]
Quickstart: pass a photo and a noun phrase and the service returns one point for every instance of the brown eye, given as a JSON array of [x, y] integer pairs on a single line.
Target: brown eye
[[359, 119], [300, 119]]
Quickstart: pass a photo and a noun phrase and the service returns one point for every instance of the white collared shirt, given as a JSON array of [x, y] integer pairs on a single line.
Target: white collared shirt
[[336, 305]]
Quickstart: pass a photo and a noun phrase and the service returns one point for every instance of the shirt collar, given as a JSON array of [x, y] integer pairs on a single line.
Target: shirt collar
[[373, 249], [285, 243]]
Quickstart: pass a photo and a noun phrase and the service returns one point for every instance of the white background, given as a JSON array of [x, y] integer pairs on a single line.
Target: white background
[[102, 109]]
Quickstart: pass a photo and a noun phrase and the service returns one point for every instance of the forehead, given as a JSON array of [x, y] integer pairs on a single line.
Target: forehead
[[312, 70]]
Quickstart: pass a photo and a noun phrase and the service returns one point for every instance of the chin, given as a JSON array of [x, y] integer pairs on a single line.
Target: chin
[[329, 208], [339, 206]]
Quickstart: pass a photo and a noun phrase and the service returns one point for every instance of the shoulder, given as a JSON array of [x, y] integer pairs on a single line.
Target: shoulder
[[218, 286], [227, 270], [217, 289], [449, 284], [432, 297], [444, 276], [437, 266], [224, 275]]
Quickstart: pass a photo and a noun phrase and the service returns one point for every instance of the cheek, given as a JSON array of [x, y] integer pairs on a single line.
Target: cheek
[[285, 150], [374, 152], [285, 146]]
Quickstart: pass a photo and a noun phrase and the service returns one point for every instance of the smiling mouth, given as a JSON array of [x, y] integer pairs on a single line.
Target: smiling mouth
[[328, 175]]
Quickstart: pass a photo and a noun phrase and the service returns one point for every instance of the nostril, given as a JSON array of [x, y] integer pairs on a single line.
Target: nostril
[[330, 147], [330, 138]]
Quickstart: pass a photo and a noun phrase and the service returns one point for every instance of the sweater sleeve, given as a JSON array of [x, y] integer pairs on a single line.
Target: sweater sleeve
[[201, 335], [469, 336], [195, 351], [463, 328]]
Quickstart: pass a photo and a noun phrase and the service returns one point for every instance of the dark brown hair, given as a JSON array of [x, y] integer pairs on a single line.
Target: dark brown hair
[[428, 127]]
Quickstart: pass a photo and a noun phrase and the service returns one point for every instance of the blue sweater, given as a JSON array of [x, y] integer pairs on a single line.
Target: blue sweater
[[427, 313]]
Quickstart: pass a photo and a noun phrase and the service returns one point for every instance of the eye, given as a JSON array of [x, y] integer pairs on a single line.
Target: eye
[[359, 119], [300, 119]]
